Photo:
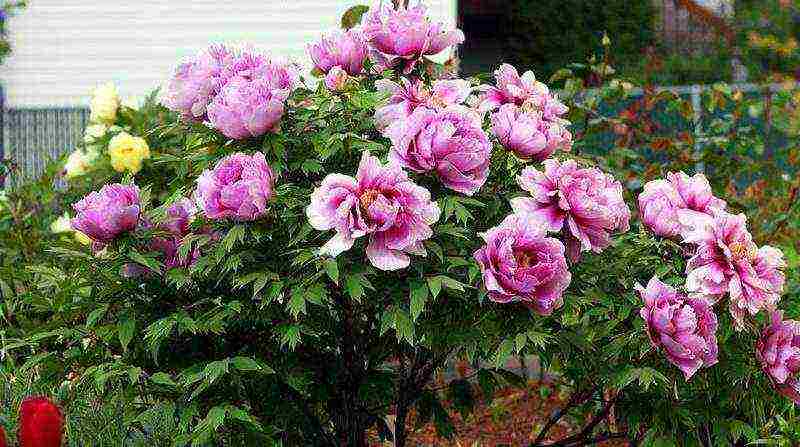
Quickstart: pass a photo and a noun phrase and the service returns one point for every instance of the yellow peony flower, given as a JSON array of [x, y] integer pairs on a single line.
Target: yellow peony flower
[[127, 152], [79, 163], [61, 225], [104, 104]]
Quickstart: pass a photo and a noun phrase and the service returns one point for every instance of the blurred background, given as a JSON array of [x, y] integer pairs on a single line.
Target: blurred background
[[54, 52]]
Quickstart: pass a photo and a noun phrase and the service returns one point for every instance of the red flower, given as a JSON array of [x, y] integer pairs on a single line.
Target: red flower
[[41, 423], [2, 437]]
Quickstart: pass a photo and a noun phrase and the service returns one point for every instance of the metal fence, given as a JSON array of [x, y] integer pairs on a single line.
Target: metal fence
[[31, 137]]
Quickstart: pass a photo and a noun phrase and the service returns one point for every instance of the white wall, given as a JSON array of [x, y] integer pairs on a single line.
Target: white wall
[[63, 48]]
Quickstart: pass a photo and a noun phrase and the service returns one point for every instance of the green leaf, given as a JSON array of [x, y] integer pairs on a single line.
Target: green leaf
[[354, 287], [419, 295], [249, 364], [164, 379], [125, 329], [435, 285], [332, 269], [297, 302], [403, 326], [96, 315]]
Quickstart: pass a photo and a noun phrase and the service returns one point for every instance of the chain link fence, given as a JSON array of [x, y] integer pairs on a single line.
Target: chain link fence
[[32, 137]]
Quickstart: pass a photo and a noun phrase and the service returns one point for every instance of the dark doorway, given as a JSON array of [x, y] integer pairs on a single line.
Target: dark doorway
[[485, 24]]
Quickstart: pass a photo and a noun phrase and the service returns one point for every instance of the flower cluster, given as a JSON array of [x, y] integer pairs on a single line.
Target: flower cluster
[[382, 203], [241, 94], [238, 187], [584, 203], [685, 328], [723, 261], [529, 119]]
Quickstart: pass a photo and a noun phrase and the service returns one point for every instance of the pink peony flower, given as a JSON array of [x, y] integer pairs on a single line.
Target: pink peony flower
[[528, 134], [778, 350], [407, 33], [685, 328], [727, 260], [408, 95], [103, 215], [668, 205], [251, 100], [238, 187], [179, 216], [336, 79], [519, 90], [382, 203], [195, 83], [449, 142], [344, 49], [586, 204], [520, 264]]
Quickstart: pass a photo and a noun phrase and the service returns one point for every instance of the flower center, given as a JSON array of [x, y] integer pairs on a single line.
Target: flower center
[[437, 102], [525, 259], [741, 251], [367, 198]]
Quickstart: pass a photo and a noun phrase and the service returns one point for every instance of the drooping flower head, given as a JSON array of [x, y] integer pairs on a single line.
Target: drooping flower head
[[684, 328], [179, 216], [528, 134], [41, 423], [127, 152], [511, 88], [407, 33], [176, 223], [727, 261], [778, 350], [585, 203], [668, 205], [251, 101], [344, 49], [238, 187], [408, 95], [449, 142], [195, 83], [381, 203], [103, 215], [520, 264]]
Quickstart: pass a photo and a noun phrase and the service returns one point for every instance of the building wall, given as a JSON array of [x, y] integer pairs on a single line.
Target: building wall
[[63, 48]]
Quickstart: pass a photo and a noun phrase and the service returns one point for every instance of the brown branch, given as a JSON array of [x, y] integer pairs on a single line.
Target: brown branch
[[577, 398]]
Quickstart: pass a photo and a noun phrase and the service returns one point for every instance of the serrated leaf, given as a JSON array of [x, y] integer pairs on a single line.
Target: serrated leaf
[[419, 295], [125, 329], [249, 364], [354, 287], [403, 326]]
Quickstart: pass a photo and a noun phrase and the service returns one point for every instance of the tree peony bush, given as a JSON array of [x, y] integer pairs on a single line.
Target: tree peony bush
[[296, 261]]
